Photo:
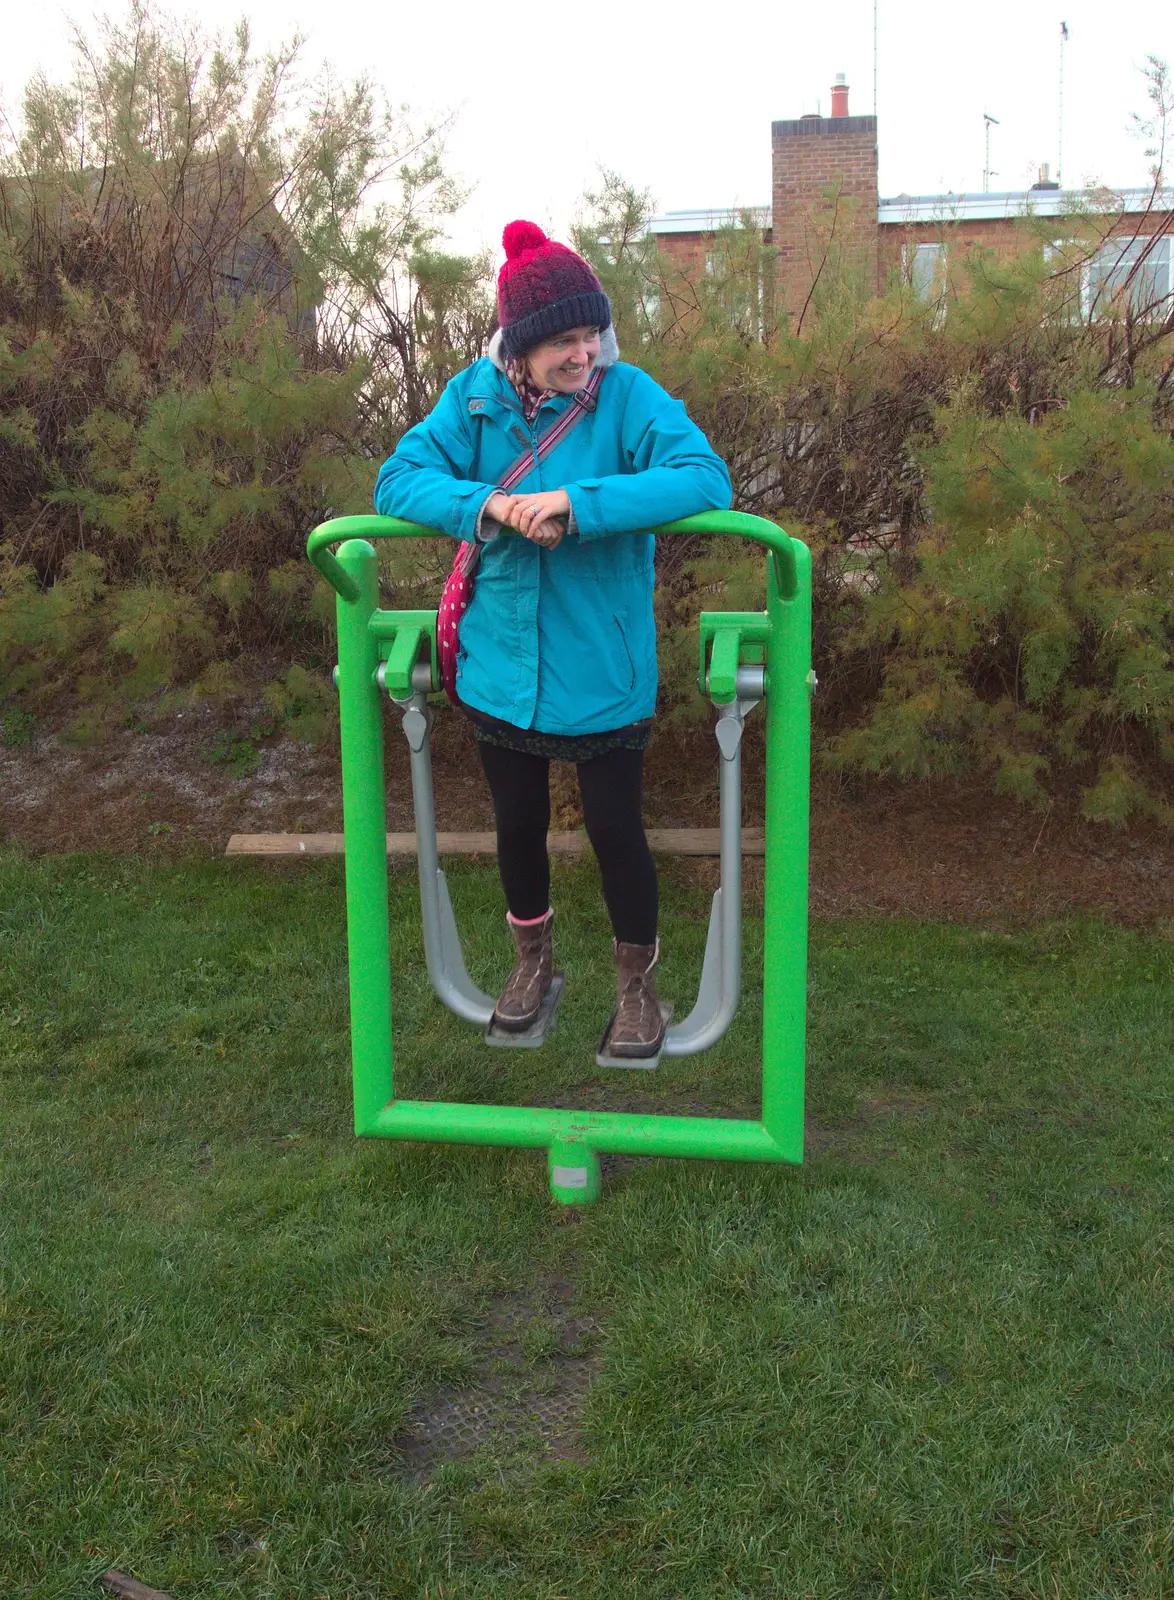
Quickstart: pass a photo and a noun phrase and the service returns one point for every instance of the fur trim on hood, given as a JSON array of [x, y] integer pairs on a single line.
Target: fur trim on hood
[[609, 350]]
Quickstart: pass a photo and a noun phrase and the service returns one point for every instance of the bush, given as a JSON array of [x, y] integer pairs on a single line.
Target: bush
[[983, 478], [987, 485], [1035, 630], [207, 342]]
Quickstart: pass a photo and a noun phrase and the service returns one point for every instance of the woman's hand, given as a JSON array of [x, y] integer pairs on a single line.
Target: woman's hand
[[549, 533], [531, 515], [497, 507]]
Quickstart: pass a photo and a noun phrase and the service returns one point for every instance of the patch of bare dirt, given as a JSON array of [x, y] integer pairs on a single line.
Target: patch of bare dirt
[[514, 1398], [959, 854], [190, 781]]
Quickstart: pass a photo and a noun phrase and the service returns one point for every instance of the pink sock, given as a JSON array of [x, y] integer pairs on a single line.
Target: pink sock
[[526, 922]]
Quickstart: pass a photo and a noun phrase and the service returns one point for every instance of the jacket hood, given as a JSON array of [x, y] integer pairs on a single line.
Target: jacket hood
[[609, 350]]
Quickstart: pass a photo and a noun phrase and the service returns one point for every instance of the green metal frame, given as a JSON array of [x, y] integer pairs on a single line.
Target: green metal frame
[[779, 638]]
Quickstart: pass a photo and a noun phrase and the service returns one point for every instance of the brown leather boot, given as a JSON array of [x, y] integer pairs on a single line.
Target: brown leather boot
[[521, 999], [638, 1029]]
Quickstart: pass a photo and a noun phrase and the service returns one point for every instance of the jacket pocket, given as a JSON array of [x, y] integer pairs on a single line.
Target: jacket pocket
[[627, 650]]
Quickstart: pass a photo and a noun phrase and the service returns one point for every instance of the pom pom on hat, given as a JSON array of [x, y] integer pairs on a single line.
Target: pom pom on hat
[[519, 236], [543, 289]]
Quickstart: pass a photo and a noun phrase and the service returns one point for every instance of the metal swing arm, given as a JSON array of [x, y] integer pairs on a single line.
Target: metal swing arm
[[721, 968], [442, 943], [721, 971]]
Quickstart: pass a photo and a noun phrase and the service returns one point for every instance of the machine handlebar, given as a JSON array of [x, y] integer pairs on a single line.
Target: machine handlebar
[[737, 523]]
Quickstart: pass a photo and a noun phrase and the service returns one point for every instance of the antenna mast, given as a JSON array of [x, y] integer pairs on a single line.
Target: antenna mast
[[875, 8], [986, 171], [1060, 151]]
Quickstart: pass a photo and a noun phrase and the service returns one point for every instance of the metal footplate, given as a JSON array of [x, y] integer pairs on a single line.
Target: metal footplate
[[603, 1057], [528, 1038]]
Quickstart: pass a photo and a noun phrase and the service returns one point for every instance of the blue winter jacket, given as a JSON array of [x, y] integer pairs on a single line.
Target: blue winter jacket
[[559, 640]]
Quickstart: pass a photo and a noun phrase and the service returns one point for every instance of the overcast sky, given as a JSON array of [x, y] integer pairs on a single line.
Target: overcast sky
[[680, 99]]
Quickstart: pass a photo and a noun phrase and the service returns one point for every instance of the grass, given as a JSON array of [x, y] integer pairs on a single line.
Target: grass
[[936, 1360]]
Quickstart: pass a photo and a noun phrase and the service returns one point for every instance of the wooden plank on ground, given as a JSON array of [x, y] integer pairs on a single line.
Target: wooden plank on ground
[[130, 1588], [665, 841]]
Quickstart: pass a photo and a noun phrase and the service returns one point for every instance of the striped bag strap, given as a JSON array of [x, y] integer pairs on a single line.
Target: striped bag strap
[[583, 402], [469, 555]]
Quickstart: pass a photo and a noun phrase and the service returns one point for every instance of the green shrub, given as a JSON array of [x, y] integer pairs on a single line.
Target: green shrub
[[985, 482], [305, 704], [18, 728], [983, 479], [204, 355], [1035, 631]]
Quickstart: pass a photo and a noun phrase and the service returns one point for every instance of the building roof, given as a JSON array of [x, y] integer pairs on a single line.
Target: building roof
[[707, 221], [906, 208]]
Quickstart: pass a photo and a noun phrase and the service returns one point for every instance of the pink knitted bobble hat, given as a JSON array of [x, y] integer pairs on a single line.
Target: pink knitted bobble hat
[[543, 289]]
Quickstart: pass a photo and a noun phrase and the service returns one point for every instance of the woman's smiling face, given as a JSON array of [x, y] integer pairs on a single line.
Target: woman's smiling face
[[564, 364]]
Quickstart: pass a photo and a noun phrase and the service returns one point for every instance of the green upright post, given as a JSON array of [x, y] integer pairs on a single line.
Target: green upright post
[[784, 911], [365, 827]]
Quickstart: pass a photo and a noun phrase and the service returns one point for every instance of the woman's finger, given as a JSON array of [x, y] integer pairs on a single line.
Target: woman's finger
[[526, 514], [547, 533]]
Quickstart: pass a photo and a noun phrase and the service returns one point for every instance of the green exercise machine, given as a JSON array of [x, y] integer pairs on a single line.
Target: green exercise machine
[[745, 658]]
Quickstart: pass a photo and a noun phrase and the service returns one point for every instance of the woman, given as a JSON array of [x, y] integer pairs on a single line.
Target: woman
[[557, 657]]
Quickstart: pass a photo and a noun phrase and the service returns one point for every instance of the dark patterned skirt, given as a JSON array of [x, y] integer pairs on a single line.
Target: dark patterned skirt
[[574, 747]]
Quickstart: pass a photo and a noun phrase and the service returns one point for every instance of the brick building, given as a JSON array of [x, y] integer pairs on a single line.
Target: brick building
[[825, 196]]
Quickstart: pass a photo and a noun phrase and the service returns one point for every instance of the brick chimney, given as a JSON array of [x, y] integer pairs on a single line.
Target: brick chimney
[[822, 166]]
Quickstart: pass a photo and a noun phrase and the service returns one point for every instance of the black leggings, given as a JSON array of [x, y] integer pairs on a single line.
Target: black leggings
[[611, 786]]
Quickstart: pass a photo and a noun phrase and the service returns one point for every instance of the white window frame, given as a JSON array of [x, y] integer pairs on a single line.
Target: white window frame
[[929, 286], [1117, 257]]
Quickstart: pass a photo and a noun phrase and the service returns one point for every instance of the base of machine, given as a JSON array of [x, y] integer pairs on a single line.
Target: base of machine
[[529, 1038], [603, 1058]]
